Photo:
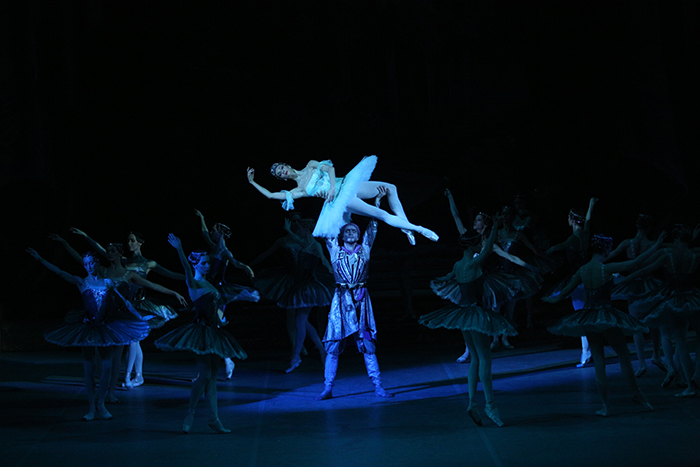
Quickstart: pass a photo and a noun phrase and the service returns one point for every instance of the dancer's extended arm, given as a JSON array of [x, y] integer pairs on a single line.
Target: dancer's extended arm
[[205, 231], [96, 246], [280, 196], [71, 251], [136, 279], [75, 280], [455, 212], [189, 277]]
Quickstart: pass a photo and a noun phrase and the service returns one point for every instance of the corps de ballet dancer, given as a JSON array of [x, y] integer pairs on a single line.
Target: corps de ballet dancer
[[499, 286], [478, 323], [677, 301], [343, 195], [599, 321], [204, 336], [351, 315], [633, 290], [220, 257], [130, 284], [304, 282], [99, 333], [575, 248]]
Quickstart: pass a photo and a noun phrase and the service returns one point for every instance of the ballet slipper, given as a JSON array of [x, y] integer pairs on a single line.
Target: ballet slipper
[[229, 367], [641, 399], [640, 372], [494, 344], [603, 411], [670, 376], [215, 424], [128, 384], [90, 416], [660, 364], [296, 361], [492, 413], [464, 357], [585, 359], [473, 412], [326, 394], [507, 344], [138, 381], [429, 234], [104, 413], [187, 424], [688, 393], [411, 237]]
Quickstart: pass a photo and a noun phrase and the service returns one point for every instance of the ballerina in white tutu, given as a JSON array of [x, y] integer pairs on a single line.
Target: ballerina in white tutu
[[343, 195]]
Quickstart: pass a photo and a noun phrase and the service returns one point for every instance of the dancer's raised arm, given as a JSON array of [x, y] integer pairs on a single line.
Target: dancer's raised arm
[[71, 251], [189, 277], [280, 195], [75, 280], [96, 246], [455, 212]]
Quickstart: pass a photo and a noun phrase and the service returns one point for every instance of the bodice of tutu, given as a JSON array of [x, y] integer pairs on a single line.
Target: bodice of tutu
[[99, 303], [319, 181], [472, 292], [599, 296], [207, 308]]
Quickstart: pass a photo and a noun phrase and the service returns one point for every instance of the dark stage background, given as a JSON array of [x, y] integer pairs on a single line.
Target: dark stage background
[[128, 115]]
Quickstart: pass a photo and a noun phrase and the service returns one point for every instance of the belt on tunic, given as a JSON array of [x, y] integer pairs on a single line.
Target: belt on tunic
[[343, 285]]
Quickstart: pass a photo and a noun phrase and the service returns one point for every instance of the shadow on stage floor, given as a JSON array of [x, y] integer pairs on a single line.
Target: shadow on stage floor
[[546, 402]]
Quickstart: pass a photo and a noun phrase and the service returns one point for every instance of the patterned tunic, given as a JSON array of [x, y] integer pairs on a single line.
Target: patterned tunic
[[351, 308]]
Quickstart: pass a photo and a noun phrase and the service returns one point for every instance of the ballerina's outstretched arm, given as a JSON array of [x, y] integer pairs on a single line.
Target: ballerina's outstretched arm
[[71, 251], [75, 280], [280, 195], [455, 212], [96, 246], [135, 278]]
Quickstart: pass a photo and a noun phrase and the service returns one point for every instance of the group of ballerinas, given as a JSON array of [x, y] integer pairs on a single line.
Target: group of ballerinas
[[483, 291]]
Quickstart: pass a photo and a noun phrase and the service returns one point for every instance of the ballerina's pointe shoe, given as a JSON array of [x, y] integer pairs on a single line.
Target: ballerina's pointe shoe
[[473, 412], [410, 236], [492, 413], [296, 361], [660, 364], [138, 381], [187, 424], [690, 392], [642, 400], [104, 413], [90, 416], [585, 359], [464, 357], [640, 372], [602, 412], [215, 424], [128, 384], [429, 234], [670, 376], [325, 395], [229, 368]]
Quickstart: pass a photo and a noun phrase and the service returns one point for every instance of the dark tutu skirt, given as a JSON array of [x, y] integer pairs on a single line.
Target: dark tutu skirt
[[666, 305], [596, 320], [121, 332], [309, 293], [636, 289], [273, 283], [499, 287], [530, 282], [238, 293], [469, 318], [156, 314], [202, 340]]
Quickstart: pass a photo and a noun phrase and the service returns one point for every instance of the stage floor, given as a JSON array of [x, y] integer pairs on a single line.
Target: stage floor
[[546, 402]]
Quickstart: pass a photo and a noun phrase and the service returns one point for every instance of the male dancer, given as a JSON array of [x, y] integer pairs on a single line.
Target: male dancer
[[351, 313]]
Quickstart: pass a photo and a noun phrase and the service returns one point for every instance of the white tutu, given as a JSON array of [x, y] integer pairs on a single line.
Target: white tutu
[[334, 214]]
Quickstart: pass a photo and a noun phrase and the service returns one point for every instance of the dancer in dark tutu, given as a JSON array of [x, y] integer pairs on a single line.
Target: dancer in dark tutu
[[343, 195], [632, 291], [599, 321], [98, 333], [478, 323], [220, 257], [677, 302], [576, 249], [351, 315], [304, 282], [204, 337], [499, 287]]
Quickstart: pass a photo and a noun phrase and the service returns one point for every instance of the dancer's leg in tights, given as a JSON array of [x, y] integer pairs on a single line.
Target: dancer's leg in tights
[[667, 346], [369, 190], [679, 330], [105, 357], [357, 206], [134, 361], [116, 355], [617, 341], [480, 348], [597, 347]]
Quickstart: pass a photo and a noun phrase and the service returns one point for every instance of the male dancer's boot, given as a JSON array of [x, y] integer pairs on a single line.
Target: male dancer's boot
[[329, 373], [373, 371]]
